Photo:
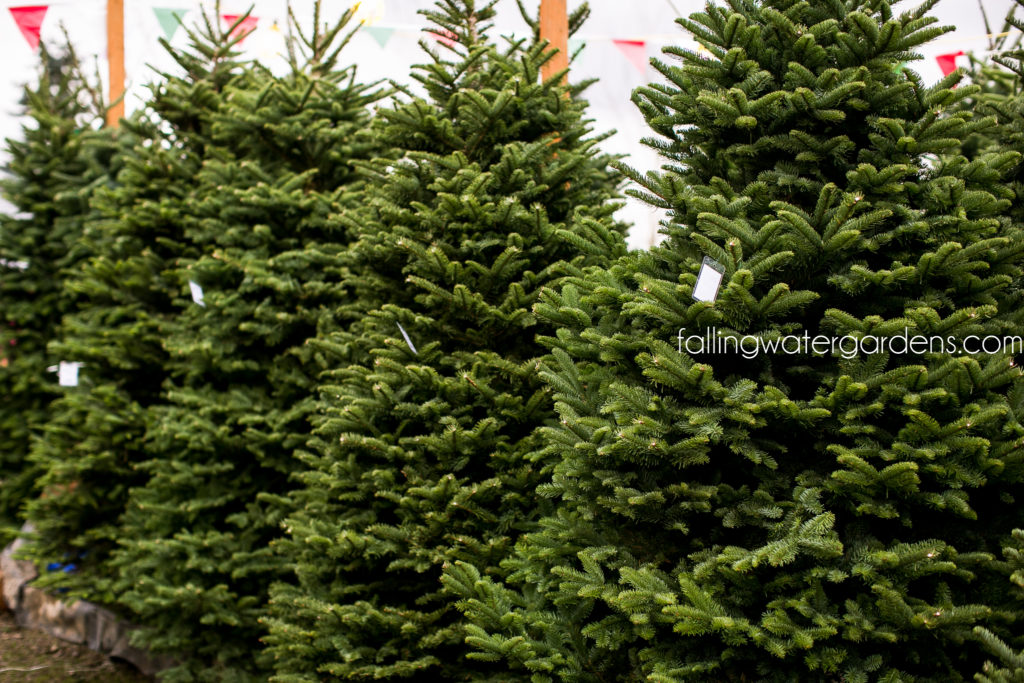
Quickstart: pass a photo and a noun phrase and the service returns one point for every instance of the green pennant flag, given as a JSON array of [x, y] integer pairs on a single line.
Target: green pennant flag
[[381, 35], [170, 19], [576, 44]]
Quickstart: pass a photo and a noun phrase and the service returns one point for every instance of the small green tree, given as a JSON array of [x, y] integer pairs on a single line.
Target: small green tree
[[266, 251], [64, 153], [423, 446], [807, 514]]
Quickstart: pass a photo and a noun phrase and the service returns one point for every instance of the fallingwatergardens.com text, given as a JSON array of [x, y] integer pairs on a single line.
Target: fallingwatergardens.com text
[[848, 346]]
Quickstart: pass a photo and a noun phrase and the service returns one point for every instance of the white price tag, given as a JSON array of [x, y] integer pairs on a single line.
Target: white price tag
[[197, 292], [407, 340], [709, 279], [67, 373]]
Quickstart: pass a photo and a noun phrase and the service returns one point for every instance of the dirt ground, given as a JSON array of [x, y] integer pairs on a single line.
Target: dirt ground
[[36, 656]]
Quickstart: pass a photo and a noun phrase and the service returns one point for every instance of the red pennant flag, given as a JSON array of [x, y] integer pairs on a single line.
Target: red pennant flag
[[247, 26], [635, 51], [29, 21], [444, 36], [948, 62]]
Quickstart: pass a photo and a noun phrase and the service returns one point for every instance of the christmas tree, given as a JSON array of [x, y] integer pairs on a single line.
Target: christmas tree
[[264, 265], [788, 508], [64, 153], [134, 236], [423, 445]]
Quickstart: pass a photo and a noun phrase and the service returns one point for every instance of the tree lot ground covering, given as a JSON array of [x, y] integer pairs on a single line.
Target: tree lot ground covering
[[28, 656]]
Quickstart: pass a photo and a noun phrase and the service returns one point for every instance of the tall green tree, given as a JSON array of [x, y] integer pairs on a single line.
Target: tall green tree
[[93, 442], [264, 248], [811, 514], [63, 154], [423, 445]]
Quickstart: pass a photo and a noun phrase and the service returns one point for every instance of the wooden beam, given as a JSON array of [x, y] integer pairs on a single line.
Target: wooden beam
[[115, 58], [554, 28]]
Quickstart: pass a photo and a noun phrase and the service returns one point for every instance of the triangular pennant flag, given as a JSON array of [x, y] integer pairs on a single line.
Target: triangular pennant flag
[[444, 36], [575, 45], [948, 62], [381, 35], [247, 26], [170, 19], [635, 51], [29, 21]]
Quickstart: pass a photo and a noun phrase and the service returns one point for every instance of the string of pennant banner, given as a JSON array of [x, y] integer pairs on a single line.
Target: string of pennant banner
[[29, 21]]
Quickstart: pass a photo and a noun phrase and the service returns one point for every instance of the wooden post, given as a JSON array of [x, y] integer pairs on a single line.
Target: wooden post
[[554, 28], [115, 58]]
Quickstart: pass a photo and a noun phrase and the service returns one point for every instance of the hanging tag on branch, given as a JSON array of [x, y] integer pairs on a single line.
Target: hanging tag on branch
[[67, 373], [407, 340], [197, 292], [709, 279]]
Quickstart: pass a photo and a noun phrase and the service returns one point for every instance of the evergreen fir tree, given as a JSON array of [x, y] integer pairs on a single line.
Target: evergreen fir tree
[[785, 516], [423, 443], [134, 236], [63, 155], [195, 562]]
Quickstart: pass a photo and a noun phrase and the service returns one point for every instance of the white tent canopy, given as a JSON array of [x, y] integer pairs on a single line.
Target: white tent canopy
[[617, 41]]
